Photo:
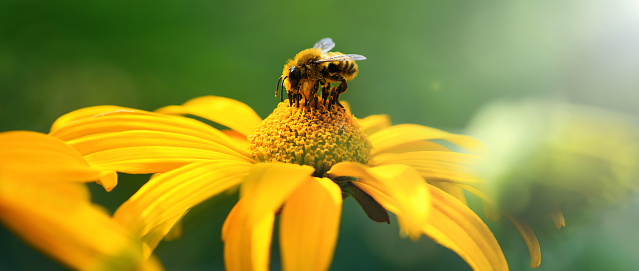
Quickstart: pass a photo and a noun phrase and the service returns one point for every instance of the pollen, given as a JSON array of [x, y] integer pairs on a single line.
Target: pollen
[[319, 137]]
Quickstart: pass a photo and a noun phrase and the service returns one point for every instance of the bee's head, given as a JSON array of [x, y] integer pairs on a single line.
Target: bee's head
[[294, 76]]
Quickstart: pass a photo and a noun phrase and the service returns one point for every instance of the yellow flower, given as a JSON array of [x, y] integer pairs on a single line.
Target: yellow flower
[[44, 201], [299, 163]]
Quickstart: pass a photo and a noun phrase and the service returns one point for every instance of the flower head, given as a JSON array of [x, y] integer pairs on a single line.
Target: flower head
[[299, 163], [319, 137]]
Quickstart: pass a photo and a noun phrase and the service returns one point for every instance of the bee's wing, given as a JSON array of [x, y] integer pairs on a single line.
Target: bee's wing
[[341, 58], [355, 57], [326, 44]]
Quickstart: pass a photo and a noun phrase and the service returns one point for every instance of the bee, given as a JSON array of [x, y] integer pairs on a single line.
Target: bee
[[314, 69]]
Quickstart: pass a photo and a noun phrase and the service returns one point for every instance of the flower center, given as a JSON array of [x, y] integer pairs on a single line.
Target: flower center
[[319, 137]]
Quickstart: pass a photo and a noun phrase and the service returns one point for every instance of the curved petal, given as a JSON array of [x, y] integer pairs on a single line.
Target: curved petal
[[228, 112], [439, 166], [152, 211], [452, 189], [142, 151], [82, 113], [247, 247], [164, 231], [433, 173], [43, 202], [239, 138], [524, 229], [32, 155], [374, 123], [398, 188], [247, 230], [136, 141], [445, 158], [490, 209], [453, 225], [132, 119], [530, 239], [268, 185], [309, 225], [557, 217], [405, 133], [69, 229], [413, 146]]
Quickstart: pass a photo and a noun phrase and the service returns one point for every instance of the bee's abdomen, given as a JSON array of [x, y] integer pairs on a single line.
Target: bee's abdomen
[[350, 68], [347, 69]]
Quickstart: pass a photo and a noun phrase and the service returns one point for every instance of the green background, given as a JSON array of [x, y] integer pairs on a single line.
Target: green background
[[434, 63]]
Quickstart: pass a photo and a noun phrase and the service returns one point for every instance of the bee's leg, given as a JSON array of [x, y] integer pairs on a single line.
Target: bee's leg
[[341, 88], [290, 99], [316, 88], [280, 88], [324, 87], [326, 91], [315, 101], [330, 98], [337, 91], [335, 95], [329, 89]]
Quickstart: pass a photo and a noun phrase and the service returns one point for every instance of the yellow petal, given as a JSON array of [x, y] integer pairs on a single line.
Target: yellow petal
[[452, 189], [84, 113], [435, 173], [448, 159], [398, 188], [152, 211], [176, 230], [374, 123], [413, 146], [558, 217], [405, 133], [268, 185], [143, 151], [490, 209], [36, 156], [309, 225], [228, 112], [247, 247], [57, 218], [132, 119], [433, 165], [247, 229], [453, 225], [164, 231], [239, 138], [530, 239]]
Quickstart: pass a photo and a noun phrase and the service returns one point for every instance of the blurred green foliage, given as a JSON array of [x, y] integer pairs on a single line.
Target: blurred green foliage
[[547, 153], [429, 62]]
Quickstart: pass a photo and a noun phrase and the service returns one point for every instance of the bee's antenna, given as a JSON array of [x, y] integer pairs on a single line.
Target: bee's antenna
[[277, 87], [282, 90]]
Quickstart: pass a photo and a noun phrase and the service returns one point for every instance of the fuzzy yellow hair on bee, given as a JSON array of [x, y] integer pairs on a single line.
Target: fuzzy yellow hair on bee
[[313, 70]]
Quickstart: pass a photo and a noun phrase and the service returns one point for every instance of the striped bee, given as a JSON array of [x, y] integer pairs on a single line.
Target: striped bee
[[314, 69]]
